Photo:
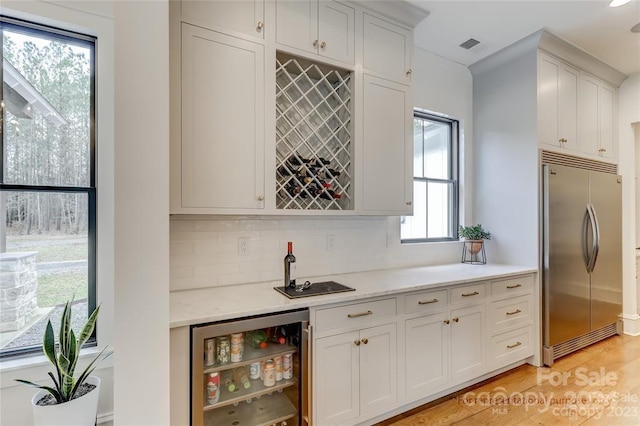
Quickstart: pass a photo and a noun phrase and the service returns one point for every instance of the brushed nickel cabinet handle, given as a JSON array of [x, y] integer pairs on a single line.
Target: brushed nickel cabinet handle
[[446, 321], [315, 43], [514, 286], [323, 45], [517, 311], [409, 71], [365, 340], [456, 319], [475, 293], [260, 26], [408, 203], [260, 197], [602, 150], [357, 342], [360, 314], [514, 345], [426, 302]]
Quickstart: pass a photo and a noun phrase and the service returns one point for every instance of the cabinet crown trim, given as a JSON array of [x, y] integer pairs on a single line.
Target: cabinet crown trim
[[554, 45]]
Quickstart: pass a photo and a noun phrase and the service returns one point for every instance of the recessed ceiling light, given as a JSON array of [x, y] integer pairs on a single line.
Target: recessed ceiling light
[[617, 3], [636, 28]]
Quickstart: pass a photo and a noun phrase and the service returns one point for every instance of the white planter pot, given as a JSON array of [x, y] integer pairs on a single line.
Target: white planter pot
[[78, 412]]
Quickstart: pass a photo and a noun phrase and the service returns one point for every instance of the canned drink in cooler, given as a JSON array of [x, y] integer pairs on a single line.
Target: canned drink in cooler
[[213, 388], [287, 366], [278, 363], [269, 374], [237, 347], [223, 350], [255, 370], [209, 352]]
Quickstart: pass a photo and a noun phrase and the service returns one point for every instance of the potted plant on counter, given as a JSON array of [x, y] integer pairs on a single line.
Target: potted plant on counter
[[474, 244], [72, 400]]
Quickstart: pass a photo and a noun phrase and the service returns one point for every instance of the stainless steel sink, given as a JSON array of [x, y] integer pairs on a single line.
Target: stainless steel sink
[[313, 289]]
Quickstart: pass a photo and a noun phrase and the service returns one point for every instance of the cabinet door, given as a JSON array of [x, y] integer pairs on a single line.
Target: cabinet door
[[427, 354], [468, 335], [245, 16], [588, 118], [387, 167], [222, 164], [568, 129], [378, 368], [336, 32], [297, 24], [387, 49], [548, 100], [607, 121], [336, 378]]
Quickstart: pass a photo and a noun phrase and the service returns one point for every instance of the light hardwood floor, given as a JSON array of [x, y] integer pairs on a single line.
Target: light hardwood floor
[[598, 385]]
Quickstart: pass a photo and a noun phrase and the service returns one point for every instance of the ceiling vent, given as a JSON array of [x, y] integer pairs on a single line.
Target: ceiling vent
[[469, 43]]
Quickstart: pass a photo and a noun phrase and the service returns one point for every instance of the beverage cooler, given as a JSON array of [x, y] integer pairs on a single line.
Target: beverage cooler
[[252, 371]]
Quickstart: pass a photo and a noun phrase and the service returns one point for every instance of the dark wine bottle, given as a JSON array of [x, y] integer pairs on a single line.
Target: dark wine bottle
[[296, 191], [328, 174], [329, 194], [286, 170], [297, 160], [290, 267]]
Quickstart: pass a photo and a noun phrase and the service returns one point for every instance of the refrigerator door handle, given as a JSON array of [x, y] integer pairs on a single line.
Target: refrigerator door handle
[[586, 254], [596, 237]]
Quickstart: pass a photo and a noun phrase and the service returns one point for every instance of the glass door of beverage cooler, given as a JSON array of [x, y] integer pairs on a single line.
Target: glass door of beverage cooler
[[252, 371]]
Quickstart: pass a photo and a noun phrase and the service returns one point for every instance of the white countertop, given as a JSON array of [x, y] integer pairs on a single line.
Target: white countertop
[[222, 303]]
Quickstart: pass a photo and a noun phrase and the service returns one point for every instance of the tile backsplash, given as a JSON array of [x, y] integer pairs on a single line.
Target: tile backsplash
[[207, 252]]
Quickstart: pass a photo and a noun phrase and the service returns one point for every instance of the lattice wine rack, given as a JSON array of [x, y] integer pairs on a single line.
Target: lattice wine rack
[[313, 135]]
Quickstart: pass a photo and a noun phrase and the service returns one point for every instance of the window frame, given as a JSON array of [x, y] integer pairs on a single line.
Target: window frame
[[454, 166], [90, 42]]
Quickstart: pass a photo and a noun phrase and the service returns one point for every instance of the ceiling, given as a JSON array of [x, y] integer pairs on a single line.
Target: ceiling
[[592, 25]]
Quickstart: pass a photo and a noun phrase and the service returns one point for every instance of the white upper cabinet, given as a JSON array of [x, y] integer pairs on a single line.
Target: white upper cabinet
[[557, 103], [324, 28], [576, 111], [243, 17], [387, 49], [387, 166], [222, 149]]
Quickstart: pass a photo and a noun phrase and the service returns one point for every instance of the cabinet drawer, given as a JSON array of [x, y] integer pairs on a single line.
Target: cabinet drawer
[[354, 314], [509, 313], [512, 286], [469, 293], [427, 301], [510, 347]]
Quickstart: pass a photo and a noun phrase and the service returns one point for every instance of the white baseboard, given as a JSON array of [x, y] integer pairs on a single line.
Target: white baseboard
[[631, 324], [105, 419]]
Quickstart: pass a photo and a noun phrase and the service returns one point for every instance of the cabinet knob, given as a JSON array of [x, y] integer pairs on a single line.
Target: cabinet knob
[[602, 150], [456, 319], [260, 26], [357, 343], [365, 340], [323, 45], [260, 197], [409, 71], [446, 321], [563, 140], [315, 43], [408, 203]]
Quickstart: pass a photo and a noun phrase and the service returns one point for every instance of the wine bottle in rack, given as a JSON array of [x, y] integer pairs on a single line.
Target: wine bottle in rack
[[297, 159], [328, 173], [285, 170], [329, 194], [296, 191]]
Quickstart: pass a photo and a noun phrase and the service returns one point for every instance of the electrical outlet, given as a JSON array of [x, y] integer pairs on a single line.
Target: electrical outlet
[[243, 246], [331, 242]]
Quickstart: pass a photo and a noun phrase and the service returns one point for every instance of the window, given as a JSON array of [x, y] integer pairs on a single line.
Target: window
[[435, 181], [47, 181]]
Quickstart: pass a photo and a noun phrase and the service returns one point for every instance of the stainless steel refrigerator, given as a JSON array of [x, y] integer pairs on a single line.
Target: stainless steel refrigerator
[[582, 258]]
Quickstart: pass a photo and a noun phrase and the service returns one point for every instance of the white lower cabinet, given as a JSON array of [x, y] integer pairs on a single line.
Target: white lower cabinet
[[448, 336], [427, 354], [355, 374]]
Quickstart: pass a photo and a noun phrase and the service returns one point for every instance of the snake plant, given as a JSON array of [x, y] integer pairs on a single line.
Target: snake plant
[[65, 355]]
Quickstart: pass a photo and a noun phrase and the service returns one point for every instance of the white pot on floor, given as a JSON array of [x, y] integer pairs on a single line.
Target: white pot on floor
[[81, 411]]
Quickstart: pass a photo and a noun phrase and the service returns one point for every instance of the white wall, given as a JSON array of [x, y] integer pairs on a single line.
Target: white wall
[[141, 371], [628, 114], [93, 18], [204, 251], [133, 223]]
